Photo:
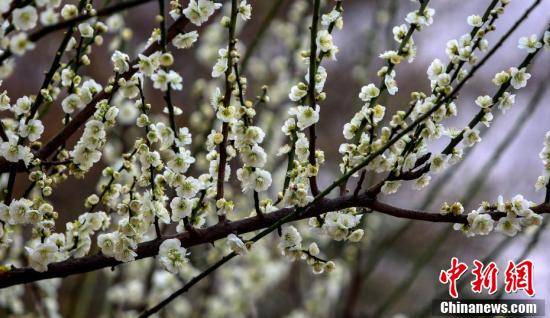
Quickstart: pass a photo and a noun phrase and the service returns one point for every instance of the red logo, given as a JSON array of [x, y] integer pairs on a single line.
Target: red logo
[[520, 277], [485, 277], [451, 275], [517, 277]]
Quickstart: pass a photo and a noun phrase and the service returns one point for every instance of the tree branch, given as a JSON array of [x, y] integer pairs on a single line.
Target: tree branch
[[72, 22], [222, 230], [80, 118]]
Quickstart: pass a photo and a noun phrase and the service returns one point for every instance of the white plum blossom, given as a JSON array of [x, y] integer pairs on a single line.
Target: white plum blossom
[[120, 61], [253, 162], [519, 77], [25, 18], [480, 223], [305, 115], [181, 208], [484, 102], [475, 20], [391, 187], [236, 244], [86, 30], [41, 255], [172, 256], [324, 41], [508, 225], [369, 92], [31, 130], [198, 11], [471, 136], [290, 238], [245, 10], [530, 44], [185, 40], [506, 101], [19, 44]]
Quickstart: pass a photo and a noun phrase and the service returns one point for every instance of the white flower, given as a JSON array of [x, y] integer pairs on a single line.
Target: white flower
[[22, 106], [221, 65], [520, 206], [254, 156], [506, 101], [501, 78], [324, 41], [435, 69], [13, 152], [530, 44], [236, 244], [19, 44], [356, 235], [290, 238], [49, 17], [148, 64], [88, 89], [188, 188], [422, 182], [199, 11], [245, 10], [42, 255], [25, 18], [86, 30], [297, 93], [531, 218], [181, 208], [508, 225], [392, 56], [19, 211], [421, 18], [258, 180], [32, 130], [226, 114], [330, 17], [475, 20], [471, 136], [305, 115], [69, 11], [172, 256], [484, 101], [71, 103], [368, 92], [120, 61], [519, 77], [480, 224], [391, 187], [261, 180], [186, 40], [378, 112], [542, 181], [106, 242], [391, 84], [439, 163], [162, 79]]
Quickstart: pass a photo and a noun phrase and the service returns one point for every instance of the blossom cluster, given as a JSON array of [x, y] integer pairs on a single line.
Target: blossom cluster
[[519, 215], [162, 176]]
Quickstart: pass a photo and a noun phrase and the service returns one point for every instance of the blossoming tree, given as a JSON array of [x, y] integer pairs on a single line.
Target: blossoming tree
[[240, 170]]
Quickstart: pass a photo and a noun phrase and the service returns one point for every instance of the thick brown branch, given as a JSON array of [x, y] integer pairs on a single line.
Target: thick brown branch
[[222, 230]]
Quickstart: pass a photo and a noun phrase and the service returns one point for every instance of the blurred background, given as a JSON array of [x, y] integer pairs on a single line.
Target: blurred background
[[394, 269]]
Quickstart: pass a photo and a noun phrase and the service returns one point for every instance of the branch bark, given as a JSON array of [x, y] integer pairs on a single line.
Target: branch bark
[[222, 230]]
